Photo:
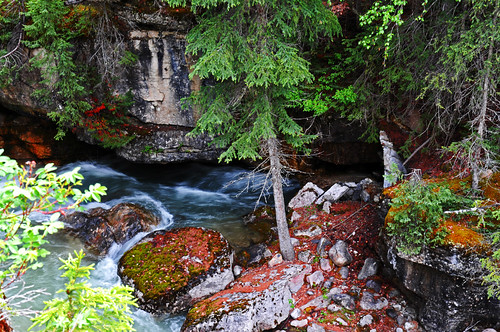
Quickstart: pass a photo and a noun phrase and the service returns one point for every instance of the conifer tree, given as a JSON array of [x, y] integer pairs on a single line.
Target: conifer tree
[[252, 50]]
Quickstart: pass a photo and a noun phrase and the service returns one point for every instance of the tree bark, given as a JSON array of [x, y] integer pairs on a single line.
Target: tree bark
[[476, 167], [286, 247]]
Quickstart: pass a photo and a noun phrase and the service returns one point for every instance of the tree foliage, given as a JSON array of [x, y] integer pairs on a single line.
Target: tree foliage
[[26, 191], [253, 51], [50, 30], [86, 308]]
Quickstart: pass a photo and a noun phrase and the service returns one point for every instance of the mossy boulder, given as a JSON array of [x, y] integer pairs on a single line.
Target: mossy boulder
[[172, 269], [100, 228]]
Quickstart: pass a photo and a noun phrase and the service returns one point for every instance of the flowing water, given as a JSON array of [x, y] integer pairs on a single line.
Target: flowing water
[[181, 195]]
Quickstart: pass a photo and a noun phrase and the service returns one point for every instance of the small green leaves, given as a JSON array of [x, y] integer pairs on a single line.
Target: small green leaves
[[86, 308], [27, 191]]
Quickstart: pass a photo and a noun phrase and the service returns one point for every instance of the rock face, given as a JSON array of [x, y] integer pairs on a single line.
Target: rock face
[[161, 77], [257, 301], [158, 80], [99, 228], [448, 286], [26, 138], [171, 270]]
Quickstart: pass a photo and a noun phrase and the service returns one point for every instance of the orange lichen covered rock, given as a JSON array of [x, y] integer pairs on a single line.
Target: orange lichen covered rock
[[170, 270], [461, 236], [259, 300]]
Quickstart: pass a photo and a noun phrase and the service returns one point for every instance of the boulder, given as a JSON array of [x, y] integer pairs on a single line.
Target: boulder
[[369, 302], [100, 228], [306, 196], [172, 269], [312, 231], [345, 300], [339, 254], [333, 194], [446, 284], [259, 300], [369, 268], [262, 224]]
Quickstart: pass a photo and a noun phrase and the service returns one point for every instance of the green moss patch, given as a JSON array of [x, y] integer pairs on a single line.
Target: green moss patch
[[166, 261]]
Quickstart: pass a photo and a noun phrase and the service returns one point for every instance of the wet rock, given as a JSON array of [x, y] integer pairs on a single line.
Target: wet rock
[[372, 284], [315, 328], [276, 260], [99, 228], [304, 256], [339, 254], [324, 264], [171, 270], [366, 320], [296, 313], [25, 138], [315, 279], [261, 222], [333, 194], [345, 300], [257, 301], [297, 281], [306, 196], [344, 272], [369, 268], [255, 255], [167, 145], [299, 323], [321, 247], [368, 302], [312, 231]]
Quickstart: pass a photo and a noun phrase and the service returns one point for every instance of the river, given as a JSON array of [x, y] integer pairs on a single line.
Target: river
[[181, 195]]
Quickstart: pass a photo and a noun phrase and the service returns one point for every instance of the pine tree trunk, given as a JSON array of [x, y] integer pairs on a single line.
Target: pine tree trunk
[[279, 201]]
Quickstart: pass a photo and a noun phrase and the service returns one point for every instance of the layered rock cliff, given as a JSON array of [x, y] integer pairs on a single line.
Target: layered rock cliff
[[158, 80]]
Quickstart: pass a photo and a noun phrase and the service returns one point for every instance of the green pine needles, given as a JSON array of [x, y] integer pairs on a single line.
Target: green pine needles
[[253, 51]]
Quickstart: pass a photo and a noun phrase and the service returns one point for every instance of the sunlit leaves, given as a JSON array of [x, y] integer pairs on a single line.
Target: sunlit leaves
[[86, 308], [27, 190]]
